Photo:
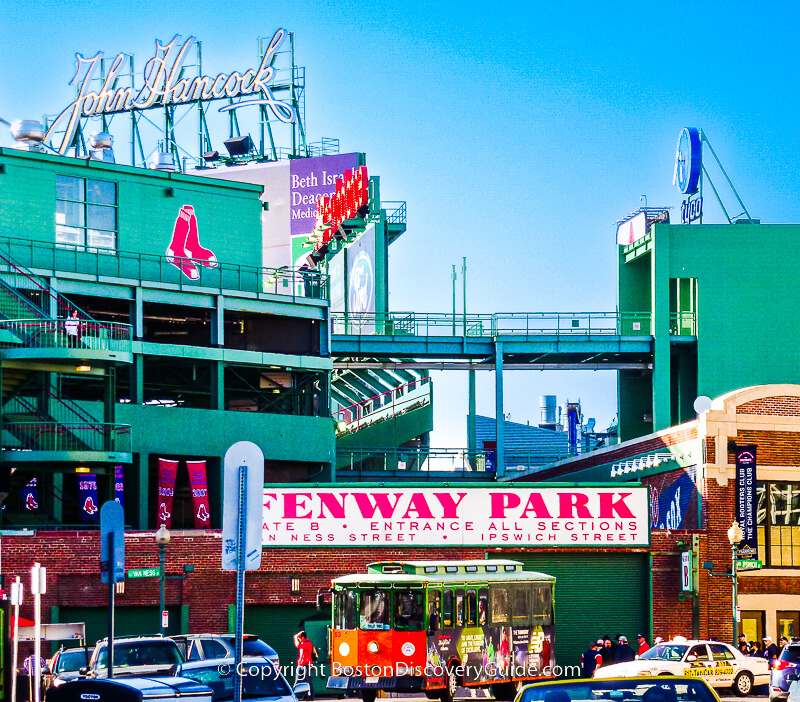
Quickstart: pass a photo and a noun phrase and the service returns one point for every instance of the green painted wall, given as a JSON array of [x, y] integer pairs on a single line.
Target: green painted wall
[[747, 283], [228, 213]]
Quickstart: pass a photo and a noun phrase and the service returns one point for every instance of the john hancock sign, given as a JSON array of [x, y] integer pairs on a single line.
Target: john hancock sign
[[165, 84], [542, 516]]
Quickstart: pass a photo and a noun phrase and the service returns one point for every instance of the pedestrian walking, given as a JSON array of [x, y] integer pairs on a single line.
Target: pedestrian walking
[[770, 652], [591, 659], [743, 645], [305, 660], [643, 645], [624, 652], [782, 643]]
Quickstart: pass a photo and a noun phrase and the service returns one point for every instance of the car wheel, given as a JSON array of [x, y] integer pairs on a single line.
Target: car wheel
[[743, 684]]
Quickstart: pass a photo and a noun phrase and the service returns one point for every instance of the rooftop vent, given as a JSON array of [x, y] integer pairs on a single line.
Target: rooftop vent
[[28, 132], [101, 143]]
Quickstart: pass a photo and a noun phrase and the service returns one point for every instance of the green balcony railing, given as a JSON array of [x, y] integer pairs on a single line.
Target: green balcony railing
[[52, 333], [156, 268], [54, 436], [683, 324], [492, 325]]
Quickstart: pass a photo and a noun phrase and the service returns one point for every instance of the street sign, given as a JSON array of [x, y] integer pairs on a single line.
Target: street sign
[[749, 565], [164, 619], [243, 461], [686, 571], [112, 522], [144, 573]]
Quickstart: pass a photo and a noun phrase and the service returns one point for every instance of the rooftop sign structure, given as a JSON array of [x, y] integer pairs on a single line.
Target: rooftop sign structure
[[173, 78]]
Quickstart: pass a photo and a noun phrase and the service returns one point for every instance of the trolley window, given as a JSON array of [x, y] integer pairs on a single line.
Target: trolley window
[[345, 606], [409, 613], [520, 605], [374, 610], [459, 608], [499, 602], [541, 604], [472, 608], [434, 610], [447, 608], [483, 607]]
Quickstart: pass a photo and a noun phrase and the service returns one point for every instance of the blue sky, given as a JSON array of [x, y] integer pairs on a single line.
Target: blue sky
[[516, 132]]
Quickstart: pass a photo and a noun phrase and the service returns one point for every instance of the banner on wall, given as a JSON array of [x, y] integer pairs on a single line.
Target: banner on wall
[[87, 497], [119, 486], [544, 516], [30, 496], [674, 499], [746, 500], [199, 484], [167, 470]]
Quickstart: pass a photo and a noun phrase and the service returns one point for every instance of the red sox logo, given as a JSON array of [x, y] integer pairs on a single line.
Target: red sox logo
[[163, 515], [202, 513], [89, 506], [30, 503], [184, 251]]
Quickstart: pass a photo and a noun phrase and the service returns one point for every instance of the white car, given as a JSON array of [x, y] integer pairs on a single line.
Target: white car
[[719, 664]]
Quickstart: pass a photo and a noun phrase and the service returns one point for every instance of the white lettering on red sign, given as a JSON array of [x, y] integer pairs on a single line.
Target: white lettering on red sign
[[471, 516]]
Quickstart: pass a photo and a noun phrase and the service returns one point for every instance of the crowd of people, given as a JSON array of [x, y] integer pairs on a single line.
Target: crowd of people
[[767, 649], [606, 652]]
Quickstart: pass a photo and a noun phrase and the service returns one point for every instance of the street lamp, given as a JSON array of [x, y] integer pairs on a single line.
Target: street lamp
[[735, 536], [162, 539]]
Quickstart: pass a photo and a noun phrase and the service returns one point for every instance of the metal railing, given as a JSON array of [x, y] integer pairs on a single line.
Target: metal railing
[[395, 212], [155, 268], [492, 325], [683, 324], [55, 436], [91, 335], [398, 400]]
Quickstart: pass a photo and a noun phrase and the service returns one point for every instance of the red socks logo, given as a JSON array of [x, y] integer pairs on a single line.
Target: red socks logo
[[185, 252]]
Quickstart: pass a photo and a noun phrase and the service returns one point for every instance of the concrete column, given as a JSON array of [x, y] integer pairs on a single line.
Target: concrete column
[[218, 385], [472, 438], [142, 461], [218, 329], [137, 317], [498, 404], [659, 271]]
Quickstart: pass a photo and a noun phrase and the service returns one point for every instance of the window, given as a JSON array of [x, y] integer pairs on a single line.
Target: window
[[499, 602], [472, 608], [483, 606], [700, 652], [451, 569], [541, 604], [459, 608], [447, 608], [491, 568], [520, 606], [430, 569], [214, 649], [778, 524], [434, 610], [345, 605], [374, 610], [720, 652], [86, 214], [408, 610], [471, 569]]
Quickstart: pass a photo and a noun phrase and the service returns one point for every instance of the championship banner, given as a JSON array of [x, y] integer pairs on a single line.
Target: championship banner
[[30, 496], [87, 497], [746, 500], [199, 483], [402, 516], [167, 471], [119, 486]]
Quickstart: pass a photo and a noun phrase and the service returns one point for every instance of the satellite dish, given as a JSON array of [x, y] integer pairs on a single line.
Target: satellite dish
[[702, 404]]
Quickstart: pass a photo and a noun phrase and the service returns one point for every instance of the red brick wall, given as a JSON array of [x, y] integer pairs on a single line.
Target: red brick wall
[[780, 406]]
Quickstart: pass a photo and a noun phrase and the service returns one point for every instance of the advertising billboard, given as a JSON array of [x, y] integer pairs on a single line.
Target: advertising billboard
[[361, 283], [412, 516]]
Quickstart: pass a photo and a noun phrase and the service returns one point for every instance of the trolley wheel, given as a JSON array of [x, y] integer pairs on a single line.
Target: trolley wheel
[[504, 691], [451, 683], [369, 695]]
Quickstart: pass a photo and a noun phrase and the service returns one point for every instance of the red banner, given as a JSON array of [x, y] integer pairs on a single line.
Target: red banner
[[199, 483], [167, 470]]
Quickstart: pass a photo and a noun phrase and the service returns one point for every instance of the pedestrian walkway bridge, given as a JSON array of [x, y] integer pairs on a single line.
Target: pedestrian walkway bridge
[[532, 340]]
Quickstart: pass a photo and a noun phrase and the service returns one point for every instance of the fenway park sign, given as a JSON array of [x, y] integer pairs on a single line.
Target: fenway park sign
[[540, 516]]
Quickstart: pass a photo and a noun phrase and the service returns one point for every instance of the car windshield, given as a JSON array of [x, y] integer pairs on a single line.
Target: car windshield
[[665, 652], [127, 655], [791, 654], [72, 660], [258, 680], [631, 690]]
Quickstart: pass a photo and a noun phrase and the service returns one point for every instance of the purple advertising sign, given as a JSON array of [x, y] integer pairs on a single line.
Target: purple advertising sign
[[310, 179]]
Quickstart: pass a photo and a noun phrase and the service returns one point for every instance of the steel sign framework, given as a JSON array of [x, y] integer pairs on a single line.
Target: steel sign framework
[[109, 89]]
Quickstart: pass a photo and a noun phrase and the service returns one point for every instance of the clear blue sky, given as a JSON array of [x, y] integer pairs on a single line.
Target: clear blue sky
[[517, 132]]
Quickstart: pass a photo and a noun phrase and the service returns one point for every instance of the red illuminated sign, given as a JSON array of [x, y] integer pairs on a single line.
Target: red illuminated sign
[[352, 193]]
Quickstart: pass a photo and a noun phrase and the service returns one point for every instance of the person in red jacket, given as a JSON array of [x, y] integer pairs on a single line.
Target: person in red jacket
[[305, 660], [643, 645]]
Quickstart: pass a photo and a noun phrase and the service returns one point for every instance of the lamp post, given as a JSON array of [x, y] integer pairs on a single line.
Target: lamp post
[[162, 539], [735, 536]]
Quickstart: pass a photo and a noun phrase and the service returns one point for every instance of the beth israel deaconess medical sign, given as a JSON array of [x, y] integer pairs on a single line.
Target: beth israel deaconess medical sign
[[543, 516]]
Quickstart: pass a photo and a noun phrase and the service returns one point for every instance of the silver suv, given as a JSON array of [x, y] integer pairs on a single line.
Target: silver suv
[[202, 647], [133, 656]]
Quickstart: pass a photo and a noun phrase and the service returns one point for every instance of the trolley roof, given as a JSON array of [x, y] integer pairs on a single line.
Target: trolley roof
[[431, 572]]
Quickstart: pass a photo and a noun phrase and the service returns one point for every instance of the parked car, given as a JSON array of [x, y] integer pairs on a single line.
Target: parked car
[[65, 665], [655, 689], [261, 680], [135, 655], [201, 647], [719, 664], [788, 664], [130, 690]]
